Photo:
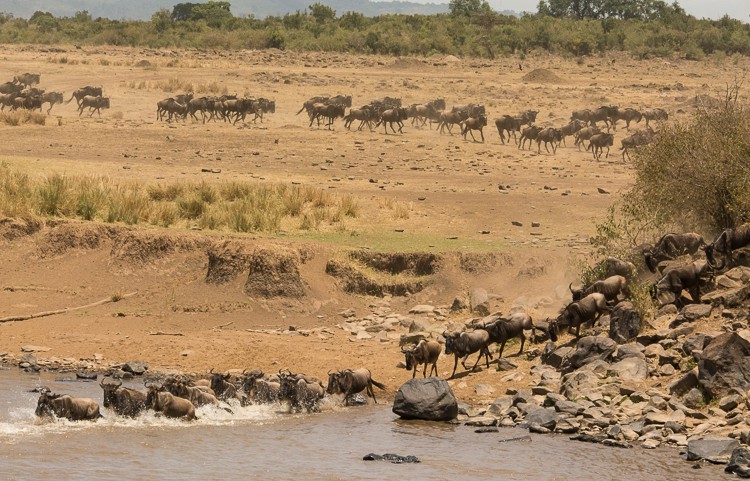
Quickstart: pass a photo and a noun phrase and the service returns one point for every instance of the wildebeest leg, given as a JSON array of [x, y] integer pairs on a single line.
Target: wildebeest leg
[[523, 341], [502, 346], [434, 368], [414, 371], [482, 134], [455, 364], [424, 371]]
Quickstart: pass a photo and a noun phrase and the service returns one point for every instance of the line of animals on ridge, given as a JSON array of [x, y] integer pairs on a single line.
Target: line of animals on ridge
[[178, 396], [20, 93], [470, 117]]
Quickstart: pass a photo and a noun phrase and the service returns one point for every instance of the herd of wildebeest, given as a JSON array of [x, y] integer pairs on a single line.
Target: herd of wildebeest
[[681, 265], [584, 125], [178, 396]]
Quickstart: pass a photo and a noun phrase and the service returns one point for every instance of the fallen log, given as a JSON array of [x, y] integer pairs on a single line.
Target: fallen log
[[67, 309]]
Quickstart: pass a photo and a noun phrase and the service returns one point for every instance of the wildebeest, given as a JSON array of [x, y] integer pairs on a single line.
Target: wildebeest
[[669, 288], [308, 105], [122, 400], [64, 406], [657, 114], [172, 107], [472, 124], [598, 142], [366, 116], [329, 111], [449, 119], [635, 140], [349, 382], [221, 385], [726, 242], [7, 100], [29, 102], [82, 92], [52, 98], [504, 329], [301, 391], [611, 287], [261, 107], [463, 344], [195, 394], [27, 79], [529, 133], [549, 135], [588, 309], [670, 246], [260, 388], [585, 134], [170, 405], [427, 353], [509, 124], [95, 104], [10, 88], [628, 115], [570, 129], [613, 266], [470, 110], [396, 115], [421, 113]]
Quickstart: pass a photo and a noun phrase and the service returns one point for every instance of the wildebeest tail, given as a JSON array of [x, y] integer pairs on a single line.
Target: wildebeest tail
[[377, 384]]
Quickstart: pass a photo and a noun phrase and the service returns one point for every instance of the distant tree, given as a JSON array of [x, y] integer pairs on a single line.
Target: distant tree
[[468, 8], [322, 13], [214, 13], [600, 9], [82, 16], [161, 20], [45, 21], [182, 11]]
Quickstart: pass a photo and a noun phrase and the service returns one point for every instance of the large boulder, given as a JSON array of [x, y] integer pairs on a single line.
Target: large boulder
[[429, 398], [624, 323], [479, 301], [714, 449], [135, 367], [631, 369], [724, 366], [590, 349], [739, 462]]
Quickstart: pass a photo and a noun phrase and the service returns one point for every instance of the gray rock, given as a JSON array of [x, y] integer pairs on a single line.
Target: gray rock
[[557, 357], [625, 323], [696, 342], [713, 449], [484, 390], [569, 407], [567, 426], [724, 366], [544, 417], [572, 384], [693, 312], [135, 367], [739, 462], [727, 298], [632, 349], [429, 398], [479, 301], [501, 406], [422, 309], [591, 348], [684, 384], [694, 399], [505, 365], [459, 304], [631, 369], [729, 403], [667, 370]]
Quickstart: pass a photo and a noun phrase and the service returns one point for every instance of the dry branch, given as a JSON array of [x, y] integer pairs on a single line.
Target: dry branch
[[64, 310], [160, 333]]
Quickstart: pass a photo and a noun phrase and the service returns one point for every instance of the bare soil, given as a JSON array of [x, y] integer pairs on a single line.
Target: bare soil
[[457, 200]]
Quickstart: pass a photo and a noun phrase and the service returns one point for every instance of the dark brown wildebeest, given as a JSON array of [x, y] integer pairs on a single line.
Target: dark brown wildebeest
[[671, 246], [31, 102], [95, 104], [7, 100], [221, 385], [669, 288], [599, 141], [549, 135], [27, 79], [571, 128], [169, 405], [472, 124], [196, 105], [582, 115], [302, 392], [510, 124], [463, 344], [628, 115], [588, 309], [611, 287], [122, 400], [529, 133], [471, 110], [420, 113], [585, 134], [364, 115], [52, 98], [726, 242], [10, 88], [527, 117], [261, 107], [396, 115], [635, 140], [656, 114], [349, 382], [260, 388], [82, 92], [172, 107], [64, 406], [504, 329], [329, 111], [449, 119], [427, 353]]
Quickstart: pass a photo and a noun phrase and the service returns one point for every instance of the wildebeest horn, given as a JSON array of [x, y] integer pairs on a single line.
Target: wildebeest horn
[[211, 371], [570, 287], [244, 372]]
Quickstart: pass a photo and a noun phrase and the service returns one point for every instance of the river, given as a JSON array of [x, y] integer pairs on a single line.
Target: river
[[262, 443]]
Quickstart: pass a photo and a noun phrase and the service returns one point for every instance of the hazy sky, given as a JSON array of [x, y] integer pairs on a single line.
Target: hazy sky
[[739, 9]]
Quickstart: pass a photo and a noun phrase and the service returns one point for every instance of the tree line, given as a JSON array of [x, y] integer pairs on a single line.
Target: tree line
[[644, 28]]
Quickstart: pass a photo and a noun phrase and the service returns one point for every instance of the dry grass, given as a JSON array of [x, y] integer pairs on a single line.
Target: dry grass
[[19, 117], [235, 206], [172, 85]]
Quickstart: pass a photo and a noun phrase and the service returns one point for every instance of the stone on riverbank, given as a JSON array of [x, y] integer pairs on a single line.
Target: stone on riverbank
[[724, 366], [430, 399], [713, 449]]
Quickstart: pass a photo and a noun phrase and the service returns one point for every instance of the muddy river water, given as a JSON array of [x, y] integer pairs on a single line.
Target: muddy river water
[[263, 443]]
